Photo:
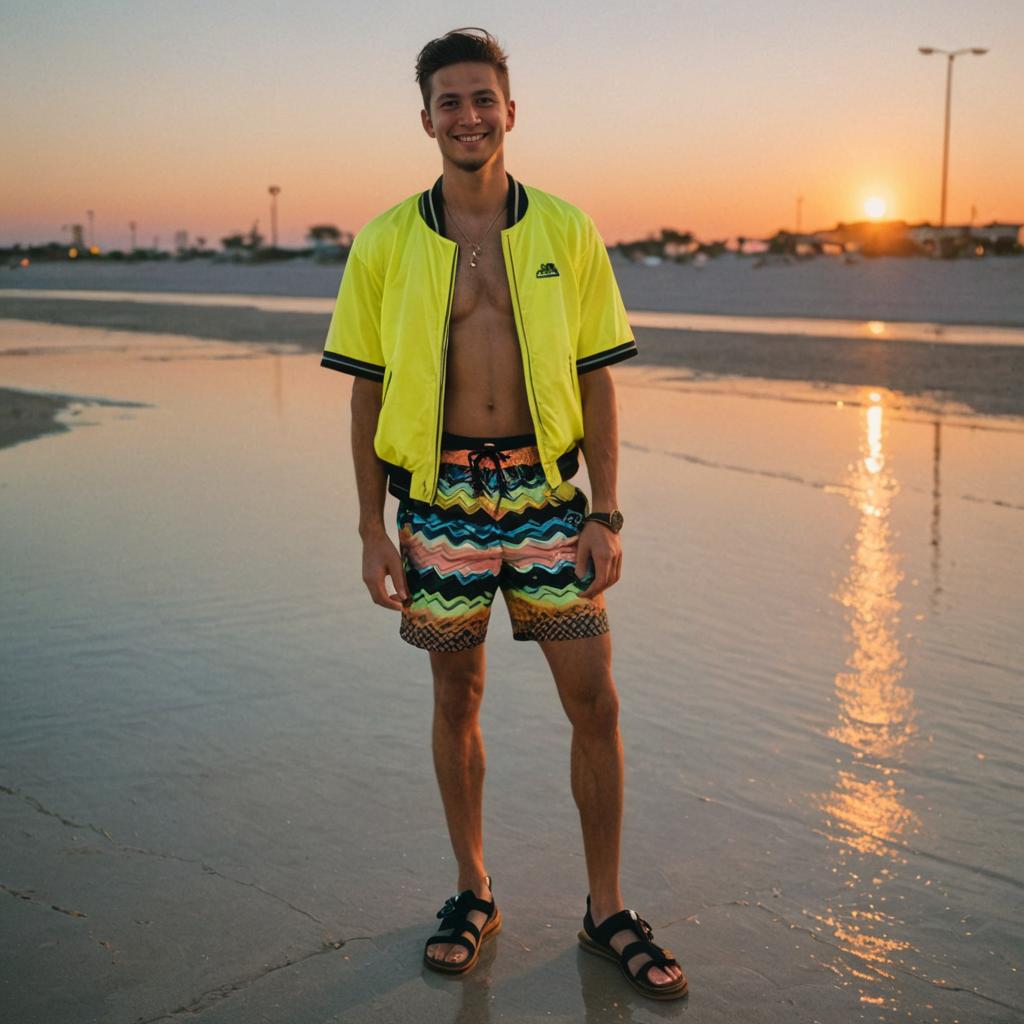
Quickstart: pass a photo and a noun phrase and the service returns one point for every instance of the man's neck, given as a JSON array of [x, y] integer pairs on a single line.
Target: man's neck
[[477, 193]]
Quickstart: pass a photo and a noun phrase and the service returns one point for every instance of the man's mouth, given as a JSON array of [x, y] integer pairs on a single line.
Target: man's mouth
[[471, 138]]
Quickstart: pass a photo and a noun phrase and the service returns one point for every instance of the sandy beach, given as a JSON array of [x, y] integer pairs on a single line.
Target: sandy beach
[[217, 794]]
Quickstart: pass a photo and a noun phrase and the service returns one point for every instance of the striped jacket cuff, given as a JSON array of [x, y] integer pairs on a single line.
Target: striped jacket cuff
[[336, 361], [607, 357]]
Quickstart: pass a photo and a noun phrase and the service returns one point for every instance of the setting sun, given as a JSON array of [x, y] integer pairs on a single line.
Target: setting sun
[[875, 207]]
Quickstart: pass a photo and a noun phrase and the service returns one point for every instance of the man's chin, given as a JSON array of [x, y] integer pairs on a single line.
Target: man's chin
[[472, 166]]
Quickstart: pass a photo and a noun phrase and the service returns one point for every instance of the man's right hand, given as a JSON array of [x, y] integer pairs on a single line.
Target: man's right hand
[[381, 559]]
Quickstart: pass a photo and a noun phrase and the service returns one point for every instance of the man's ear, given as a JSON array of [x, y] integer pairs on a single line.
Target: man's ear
[[428, 125], [510, 117]]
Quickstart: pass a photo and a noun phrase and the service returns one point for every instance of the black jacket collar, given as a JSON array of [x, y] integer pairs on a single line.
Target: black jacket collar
[[432, 204]]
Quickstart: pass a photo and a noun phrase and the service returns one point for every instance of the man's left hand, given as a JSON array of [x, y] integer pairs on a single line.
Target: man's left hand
[[599, 544]]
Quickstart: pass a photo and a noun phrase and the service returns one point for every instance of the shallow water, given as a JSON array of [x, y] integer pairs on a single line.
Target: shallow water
[[215, 749]]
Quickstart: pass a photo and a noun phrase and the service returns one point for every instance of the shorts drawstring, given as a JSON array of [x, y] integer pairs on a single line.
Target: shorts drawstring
[[478, 455]]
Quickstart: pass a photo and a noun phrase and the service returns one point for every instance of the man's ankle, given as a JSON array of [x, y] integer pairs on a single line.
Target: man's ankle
[[601, 908], [475, 880]]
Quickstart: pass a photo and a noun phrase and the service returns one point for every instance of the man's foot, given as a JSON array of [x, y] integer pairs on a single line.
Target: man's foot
[[648, 968], [467, 920]]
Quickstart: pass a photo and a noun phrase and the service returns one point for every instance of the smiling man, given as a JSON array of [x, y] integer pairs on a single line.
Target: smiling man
[[479, 319]]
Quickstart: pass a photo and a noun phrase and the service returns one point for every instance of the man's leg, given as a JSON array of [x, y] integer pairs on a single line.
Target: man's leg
[[582, 670], [459, 764]]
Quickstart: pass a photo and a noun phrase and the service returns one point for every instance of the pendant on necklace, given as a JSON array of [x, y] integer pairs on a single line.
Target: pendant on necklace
[[473, 255]]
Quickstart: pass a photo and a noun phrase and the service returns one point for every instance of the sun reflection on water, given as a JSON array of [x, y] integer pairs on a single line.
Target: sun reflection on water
[[865, 813]]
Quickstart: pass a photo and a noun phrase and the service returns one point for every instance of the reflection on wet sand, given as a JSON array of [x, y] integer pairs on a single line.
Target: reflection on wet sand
[[866, 816]]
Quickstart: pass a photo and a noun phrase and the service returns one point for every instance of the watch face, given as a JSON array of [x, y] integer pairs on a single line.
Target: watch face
[[615, 520]]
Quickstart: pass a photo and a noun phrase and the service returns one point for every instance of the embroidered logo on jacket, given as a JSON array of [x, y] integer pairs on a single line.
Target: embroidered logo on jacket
[[548, 270]]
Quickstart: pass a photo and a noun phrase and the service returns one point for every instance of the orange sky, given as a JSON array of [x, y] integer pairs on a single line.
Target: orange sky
[[712, 116]]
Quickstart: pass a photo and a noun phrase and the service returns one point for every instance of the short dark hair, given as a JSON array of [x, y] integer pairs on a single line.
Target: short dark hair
[[457, 47]]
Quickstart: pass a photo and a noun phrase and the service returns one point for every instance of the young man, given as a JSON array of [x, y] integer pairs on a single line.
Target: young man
[[479, 319]]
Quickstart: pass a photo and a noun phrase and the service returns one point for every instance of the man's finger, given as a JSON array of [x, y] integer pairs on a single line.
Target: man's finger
[[377, 586], [397, 573], [582, 559], [386, 600], [600, 580]]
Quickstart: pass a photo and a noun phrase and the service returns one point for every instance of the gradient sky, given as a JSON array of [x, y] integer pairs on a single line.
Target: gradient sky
[[712, 116]]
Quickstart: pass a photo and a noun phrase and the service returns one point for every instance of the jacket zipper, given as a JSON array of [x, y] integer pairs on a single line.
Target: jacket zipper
[[524, 345], [442, 373]]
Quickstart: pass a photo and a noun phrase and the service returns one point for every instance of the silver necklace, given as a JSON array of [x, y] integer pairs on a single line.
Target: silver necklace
[[474, 247]]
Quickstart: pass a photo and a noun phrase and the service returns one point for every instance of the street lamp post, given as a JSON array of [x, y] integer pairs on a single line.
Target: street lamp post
[[950, 55], [273, 190]]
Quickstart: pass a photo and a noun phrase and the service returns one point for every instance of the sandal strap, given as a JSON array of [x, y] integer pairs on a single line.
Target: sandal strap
[[457, 907], [458, 928], [624, 920], [651, 949]]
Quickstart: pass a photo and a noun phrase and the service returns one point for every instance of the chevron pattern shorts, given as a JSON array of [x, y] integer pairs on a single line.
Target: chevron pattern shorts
[[495, 524]]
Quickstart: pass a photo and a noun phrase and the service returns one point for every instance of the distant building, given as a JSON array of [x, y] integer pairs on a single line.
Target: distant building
[[995, 236], [898, 238]]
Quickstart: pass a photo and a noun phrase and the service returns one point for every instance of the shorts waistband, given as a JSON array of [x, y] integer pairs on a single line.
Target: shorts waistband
[[460, 442]]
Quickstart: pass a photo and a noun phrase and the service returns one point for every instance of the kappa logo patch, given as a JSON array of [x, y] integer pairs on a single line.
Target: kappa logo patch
[[548, 270]]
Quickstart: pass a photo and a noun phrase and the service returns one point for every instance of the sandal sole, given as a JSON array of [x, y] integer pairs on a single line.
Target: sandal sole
[[488, 931], [676, 991]]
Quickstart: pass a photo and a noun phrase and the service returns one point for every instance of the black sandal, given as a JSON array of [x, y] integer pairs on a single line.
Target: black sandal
[[454, 920], [598, 941]]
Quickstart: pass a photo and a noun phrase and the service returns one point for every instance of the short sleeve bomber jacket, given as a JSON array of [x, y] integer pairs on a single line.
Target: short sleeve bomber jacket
[[391, 324]]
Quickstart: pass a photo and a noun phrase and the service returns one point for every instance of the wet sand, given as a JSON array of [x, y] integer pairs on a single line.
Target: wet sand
[[985, 378], [216, 785]]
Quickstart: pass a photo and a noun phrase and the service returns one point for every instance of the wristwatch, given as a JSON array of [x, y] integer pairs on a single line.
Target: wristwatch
[[612, 520]]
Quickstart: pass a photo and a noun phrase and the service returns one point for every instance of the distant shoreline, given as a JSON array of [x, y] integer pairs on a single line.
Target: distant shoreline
[[987, 291]]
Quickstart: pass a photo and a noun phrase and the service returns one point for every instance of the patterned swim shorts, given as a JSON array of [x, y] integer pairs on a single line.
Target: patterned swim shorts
[[496, 523]]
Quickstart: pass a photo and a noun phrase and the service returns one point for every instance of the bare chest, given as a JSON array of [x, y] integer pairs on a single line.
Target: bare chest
[[481, 285]]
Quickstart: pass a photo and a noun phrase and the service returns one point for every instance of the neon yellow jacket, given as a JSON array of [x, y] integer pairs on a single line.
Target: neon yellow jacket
[[391, 324]]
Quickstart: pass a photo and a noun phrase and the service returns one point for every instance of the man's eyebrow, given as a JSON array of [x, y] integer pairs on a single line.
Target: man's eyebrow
[[476, 92]]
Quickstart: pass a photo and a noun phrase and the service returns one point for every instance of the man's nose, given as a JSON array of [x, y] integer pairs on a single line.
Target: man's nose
[[470, 117]]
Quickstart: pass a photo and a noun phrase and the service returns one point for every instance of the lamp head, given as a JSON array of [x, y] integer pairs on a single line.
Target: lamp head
[[926, 50], [979, 50]]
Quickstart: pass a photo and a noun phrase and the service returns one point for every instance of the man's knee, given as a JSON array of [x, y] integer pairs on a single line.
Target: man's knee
[[458, 689], [595, 711]]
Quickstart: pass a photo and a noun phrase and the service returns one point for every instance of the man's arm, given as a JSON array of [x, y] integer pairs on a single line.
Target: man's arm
[[380, 556], [601, 451]]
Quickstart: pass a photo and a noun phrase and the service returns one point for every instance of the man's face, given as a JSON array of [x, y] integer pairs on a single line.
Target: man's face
[[468, 114]]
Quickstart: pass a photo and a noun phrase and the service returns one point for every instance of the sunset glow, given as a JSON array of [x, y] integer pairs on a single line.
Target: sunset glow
[[188, 115]]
